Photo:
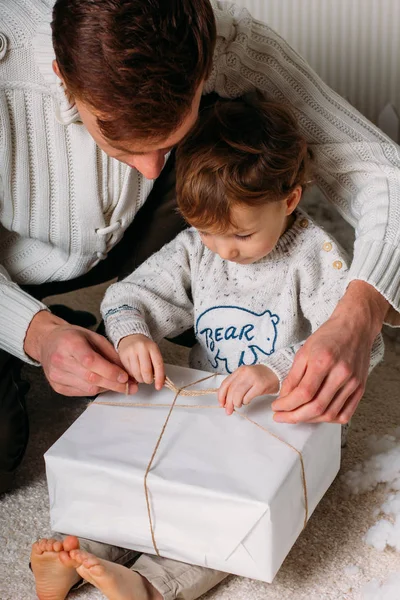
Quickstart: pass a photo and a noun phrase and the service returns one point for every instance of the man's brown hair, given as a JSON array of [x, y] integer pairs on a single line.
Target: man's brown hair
[[136, 63], [244, 151]]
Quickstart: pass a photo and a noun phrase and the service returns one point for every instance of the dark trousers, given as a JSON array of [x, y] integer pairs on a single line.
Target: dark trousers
[[156, 223]]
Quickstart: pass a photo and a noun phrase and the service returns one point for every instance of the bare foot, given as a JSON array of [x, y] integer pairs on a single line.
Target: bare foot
[[53, 568], [114, 581]]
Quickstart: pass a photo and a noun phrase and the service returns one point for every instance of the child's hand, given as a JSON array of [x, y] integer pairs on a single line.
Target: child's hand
[[245, 384], [142, 359]]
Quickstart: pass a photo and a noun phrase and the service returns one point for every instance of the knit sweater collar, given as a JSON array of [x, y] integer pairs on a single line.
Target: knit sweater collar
[[290, 237], [65, 110]]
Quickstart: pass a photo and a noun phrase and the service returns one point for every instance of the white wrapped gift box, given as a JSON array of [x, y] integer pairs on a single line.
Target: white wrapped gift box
[[223, 492]]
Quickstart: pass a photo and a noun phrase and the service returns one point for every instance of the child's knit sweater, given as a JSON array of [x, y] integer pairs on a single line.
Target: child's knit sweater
[[242, 314]]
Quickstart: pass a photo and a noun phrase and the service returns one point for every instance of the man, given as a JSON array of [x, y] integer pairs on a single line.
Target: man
[[87, 120]]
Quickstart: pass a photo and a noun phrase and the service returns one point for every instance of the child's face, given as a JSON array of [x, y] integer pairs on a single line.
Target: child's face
[[256, 234]]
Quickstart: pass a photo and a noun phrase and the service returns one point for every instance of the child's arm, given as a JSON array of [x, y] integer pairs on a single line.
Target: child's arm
[[154, 301], [245, 384]]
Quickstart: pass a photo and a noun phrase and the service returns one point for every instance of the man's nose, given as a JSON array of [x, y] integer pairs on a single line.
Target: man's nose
[[150, 165]]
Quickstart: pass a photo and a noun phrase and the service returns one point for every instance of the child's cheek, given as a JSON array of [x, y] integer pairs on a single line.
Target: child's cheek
[[264, 249]]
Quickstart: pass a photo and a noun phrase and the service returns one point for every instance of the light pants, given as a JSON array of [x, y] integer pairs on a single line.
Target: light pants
[[171, 578]]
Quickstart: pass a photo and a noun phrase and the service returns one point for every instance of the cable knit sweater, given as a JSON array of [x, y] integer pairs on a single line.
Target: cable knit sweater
[[64, 204], [242, 314]]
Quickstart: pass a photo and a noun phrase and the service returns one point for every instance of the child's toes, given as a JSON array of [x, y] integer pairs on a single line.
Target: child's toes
[[78, 555], [88, 560], [84, 559], [50, 545], [66, 559], [71, 542]]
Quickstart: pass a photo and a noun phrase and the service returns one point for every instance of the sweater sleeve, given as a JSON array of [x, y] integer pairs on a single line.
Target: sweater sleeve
[[155, 300], [357, 167], [17, 309], [320, 277]]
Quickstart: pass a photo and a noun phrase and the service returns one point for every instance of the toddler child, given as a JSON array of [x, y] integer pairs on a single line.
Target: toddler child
[[253, 274]]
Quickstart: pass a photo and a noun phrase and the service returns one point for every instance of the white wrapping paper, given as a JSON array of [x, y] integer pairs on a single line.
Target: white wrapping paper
[[224, 493]]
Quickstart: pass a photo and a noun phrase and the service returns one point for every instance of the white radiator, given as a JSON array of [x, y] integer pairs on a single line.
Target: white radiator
[[354, 45]]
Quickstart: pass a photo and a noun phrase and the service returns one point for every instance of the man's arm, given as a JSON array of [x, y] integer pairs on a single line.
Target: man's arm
[[321, 366], [357, 167], [17, 309], [76, 361], [329, 373]]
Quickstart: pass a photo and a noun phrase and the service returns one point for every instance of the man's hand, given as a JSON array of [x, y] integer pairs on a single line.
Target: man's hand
[[76, 361], [244, 384], [329, 373], [142, 359]]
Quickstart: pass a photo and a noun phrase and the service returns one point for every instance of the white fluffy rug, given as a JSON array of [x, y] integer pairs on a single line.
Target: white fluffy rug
[[321, 566]]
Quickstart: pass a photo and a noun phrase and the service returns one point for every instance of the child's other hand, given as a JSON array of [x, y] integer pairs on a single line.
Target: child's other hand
[[142, 358], [244, 384]]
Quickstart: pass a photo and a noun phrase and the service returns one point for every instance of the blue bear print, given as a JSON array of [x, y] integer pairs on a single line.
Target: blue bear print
[[236, 336]]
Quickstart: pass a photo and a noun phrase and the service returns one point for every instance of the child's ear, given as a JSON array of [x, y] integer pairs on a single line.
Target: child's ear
[[293, 199]]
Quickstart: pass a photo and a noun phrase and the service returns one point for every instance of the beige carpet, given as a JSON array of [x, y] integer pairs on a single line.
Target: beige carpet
[[315, 568]]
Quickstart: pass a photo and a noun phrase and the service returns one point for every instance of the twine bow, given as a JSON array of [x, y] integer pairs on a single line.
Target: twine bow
[[183, 391]]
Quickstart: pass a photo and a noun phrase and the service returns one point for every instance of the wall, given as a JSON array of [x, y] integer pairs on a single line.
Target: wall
[[354, 45]]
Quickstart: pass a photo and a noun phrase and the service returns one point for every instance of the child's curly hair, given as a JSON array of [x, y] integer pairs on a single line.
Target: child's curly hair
[[244, 151]]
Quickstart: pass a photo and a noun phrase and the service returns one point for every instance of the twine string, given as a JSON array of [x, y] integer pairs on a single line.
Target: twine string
[[183, 391]]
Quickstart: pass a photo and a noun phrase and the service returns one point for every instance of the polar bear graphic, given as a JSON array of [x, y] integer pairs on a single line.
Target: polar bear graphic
[[236, 336]]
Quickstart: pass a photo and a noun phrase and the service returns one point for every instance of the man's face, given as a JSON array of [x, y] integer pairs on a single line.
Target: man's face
[[148, 158]]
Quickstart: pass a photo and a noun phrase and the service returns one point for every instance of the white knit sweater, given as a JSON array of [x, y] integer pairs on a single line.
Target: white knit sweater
[[64, 204], [242, 314]]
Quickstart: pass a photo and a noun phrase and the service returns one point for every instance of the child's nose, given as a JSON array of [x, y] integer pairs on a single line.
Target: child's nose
[[228, 252]]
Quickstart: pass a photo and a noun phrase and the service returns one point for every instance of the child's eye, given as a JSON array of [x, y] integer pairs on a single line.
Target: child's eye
[[244, 237]]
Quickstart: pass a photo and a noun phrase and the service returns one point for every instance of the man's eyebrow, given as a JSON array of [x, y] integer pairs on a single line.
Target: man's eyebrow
[[137, 152], [127, 150]]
